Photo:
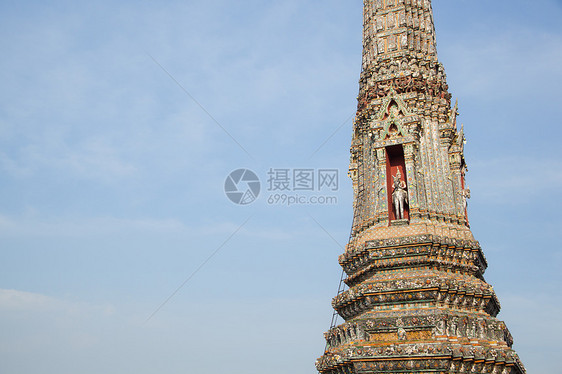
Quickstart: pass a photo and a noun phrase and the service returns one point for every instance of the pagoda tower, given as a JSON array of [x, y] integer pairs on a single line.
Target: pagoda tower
[[417, 300]]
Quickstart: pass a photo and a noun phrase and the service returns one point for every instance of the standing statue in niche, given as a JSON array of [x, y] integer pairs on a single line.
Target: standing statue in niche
[[399, 195]]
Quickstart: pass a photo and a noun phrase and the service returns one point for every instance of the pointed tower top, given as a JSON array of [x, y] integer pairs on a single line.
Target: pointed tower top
[[399, 52], [396, 28]]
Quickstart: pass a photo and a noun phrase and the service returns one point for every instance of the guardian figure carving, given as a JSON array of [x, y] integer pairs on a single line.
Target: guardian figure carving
[[399, 195]]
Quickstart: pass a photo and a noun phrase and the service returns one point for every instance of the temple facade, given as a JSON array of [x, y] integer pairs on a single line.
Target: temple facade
[[417, 300]]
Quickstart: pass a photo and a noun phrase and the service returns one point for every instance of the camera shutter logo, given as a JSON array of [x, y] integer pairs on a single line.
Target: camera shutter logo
[[242, 186]]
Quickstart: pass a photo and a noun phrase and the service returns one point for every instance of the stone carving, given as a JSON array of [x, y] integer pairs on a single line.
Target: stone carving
[[399, 195]]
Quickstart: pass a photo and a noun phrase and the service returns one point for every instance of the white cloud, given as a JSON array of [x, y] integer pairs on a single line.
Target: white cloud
[[30, 225], [44, 326], [33, 225], [22, 301], [175, 340], [93, 159]]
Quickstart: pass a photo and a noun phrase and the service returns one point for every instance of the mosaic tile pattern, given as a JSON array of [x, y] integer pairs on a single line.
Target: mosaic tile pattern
[[417, 299]]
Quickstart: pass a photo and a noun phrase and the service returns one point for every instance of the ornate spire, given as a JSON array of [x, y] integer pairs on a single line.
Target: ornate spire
[[417, 299], [394, 28], [399, 50]]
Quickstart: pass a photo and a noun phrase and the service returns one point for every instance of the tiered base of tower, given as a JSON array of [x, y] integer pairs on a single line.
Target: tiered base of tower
[[418, 304]]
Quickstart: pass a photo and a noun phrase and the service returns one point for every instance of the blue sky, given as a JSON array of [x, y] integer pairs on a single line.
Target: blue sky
[[111, 177]]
